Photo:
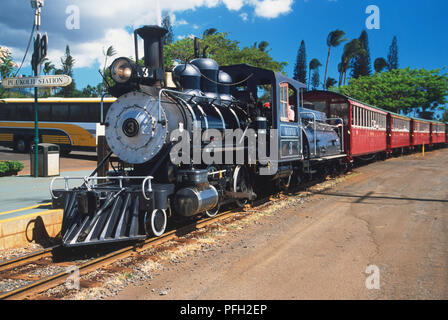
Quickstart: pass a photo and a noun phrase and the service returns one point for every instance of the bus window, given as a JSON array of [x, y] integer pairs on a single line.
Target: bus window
[[7, 112], [60, 112], [94, 111], [79, 113], [44, 112], [24, 112]]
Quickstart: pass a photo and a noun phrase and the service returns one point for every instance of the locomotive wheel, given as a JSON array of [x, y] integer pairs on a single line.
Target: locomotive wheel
[[241, 183], [155, 223], [213, 212]]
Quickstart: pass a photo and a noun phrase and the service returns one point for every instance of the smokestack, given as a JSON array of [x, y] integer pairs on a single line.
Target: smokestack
[[153, 49]]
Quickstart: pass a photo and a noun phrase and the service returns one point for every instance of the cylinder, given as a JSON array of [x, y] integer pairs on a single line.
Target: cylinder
[[190, 201]]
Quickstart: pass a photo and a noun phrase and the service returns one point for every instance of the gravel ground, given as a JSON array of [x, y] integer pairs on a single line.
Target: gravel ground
[[9, 254]]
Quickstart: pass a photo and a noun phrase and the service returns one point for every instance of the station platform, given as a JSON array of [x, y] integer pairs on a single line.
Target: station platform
[[26, 213]]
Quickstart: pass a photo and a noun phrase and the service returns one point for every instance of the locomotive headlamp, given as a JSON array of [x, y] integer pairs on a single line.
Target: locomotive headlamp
[[121, 70]]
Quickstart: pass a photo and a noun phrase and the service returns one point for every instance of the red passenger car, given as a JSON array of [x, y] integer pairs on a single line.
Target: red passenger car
[[400, 132], [421, 132], [438, 132], [364, 125]]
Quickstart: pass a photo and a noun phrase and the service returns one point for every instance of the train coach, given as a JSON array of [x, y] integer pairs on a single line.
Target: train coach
[[373, 131], [365, 126], [421, 132], [438, 133], [400, 133]]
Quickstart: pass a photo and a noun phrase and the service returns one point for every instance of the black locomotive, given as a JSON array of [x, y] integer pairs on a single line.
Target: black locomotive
[[151, 117]]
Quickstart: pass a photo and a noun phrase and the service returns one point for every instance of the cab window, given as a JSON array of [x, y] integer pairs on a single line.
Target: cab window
[[288, 103]]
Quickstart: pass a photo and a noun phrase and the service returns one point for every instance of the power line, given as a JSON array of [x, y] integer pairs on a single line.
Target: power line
[[27, 48]]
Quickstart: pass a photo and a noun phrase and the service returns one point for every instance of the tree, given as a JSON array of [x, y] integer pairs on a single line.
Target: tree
[[314, 64], [48, 66], [109, 53], [223, 50], [352, 49], [392, 57], [444, 116], [315, 79], [334, 39], [7, 69], [263, 45], [361, 64], [300, 67], [401, 90], [331, 82], [166, 23], [7, 65], [209, 32], [67, 63], [380, 64]]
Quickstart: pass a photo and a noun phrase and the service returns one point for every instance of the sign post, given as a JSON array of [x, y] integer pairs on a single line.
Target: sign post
[[40, 52]]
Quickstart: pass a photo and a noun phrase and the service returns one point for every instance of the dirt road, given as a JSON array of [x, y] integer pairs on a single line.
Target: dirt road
[[392, 215]]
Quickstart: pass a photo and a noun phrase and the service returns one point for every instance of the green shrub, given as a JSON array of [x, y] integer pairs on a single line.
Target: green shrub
[[11, 166], [4, 167], [15, 166]]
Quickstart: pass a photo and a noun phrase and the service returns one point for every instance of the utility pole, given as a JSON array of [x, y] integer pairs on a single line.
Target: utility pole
[[40, 48]]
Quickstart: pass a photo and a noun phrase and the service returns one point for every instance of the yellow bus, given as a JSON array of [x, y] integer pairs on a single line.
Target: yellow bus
[[72, 123]]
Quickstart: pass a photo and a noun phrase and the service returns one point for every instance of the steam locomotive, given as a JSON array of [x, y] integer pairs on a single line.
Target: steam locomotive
[[153, 115]]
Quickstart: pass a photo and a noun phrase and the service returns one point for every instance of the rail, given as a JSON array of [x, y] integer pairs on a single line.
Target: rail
[[90, 186]]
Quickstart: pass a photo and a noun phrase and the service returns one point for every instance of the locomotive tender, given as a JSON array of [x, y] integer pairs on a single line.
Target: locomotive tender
[[137, 199]]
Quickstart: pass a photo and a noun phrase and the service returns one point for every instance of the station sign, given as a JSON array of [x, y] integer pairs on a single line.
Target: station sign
[[37, 82]]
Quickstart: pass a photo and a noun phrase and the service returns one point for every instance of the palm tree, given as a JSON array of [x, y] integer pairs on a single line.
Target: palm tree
[[352, 49], [380, 64], [262, 46], [331, 82], [110, 52], [314, 64], [48, 66], [334, 39]]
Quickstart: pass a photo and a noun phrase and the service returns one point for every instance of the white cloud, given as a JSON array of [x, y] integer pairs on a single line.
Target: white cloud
[[108, 22], [272, 8], [234, 4]]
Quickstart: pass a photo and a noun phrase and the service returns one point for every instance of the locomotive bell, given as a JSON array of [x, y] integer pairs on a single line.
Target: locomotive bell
[[133, 132]]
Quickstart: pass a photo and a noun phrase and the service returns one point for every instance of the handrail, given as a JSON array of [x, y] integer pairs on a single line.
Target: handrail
[[92, 185], [341, 129], [102, 109], [315, 130]]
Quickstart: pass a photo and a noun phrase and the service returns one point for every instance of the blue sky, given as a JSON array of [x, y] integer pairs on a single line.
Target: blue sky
[[419, 26]]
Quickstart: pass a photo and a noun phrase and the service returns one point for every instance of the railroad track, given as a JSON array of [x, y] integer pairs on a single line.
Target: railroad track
[[44, 284]]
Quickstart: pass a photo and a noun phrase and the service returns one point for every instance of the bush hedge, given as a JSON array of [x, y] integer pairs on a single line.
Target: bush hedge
[[10, 167]]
